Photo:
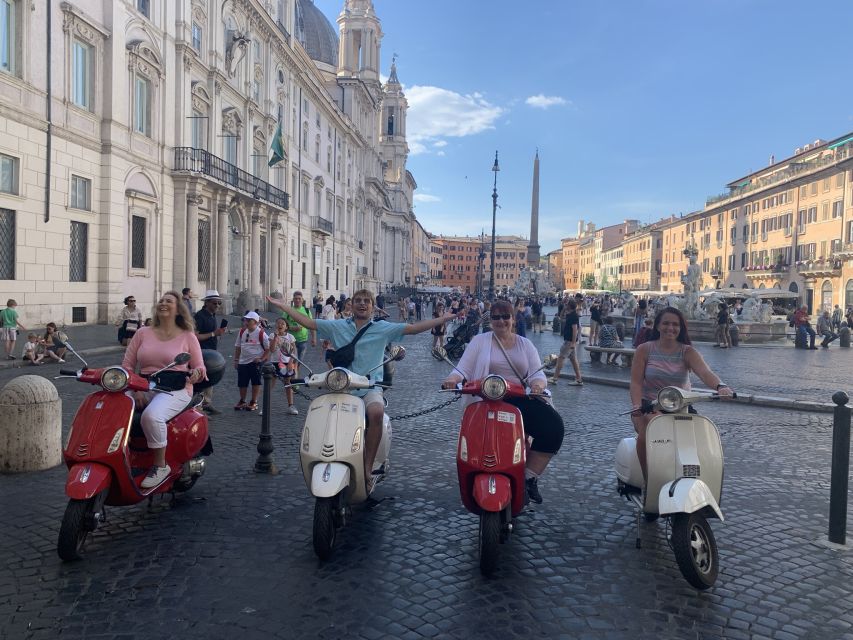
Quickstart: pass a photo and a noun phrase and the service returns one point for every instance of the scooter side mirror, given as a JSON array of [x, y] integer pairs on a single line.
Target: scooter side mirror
[[182, 358], [549, 360], [397, 353], [439, 353]]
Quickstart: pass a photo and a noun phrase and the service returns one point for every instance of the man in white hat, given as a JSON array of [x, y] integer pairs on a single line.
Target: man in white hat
[[208, 332]]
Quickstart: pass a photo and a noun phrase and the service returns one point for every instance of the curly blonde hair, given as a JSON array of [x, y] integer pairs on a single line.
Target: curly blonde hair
[[183, 318]]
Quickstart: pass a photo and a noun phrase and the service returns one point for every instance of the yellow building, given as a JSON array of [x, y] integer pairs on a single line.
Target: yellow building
[[641, 259], [787, 226]]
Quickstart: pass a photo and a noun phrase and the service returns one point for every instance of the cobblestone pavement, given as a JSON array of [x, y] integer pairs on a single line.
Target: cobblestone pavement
[[233, 557]]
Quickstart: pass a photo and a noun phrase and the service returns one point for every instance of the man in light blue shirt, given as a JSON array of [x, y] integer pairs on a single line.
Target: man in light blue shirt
[[369, 352]]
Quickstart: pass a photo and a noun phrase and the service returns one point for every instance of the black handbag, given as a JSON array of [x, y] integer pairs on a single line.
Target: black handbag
[[170, 380], [344, 356]]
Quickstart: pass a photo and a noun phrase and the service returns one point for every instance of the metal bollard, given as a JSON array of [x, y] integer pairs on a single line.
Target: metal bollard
[[264, 463], [840, 469]]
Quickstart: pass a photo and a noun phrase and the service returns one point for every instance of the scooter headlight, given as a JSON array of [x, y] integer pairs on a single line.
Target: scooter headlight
[[337, 379], [494, 387], [670, 399], [114, 379]]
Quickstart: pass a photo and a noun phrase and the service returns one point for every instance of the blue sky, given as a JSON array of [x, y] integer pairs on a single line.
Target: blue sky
[[639, 108]]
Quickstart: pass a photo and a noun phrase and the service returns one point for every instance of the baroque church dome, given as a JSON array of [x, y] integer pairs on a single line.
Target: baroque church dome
[[316, 33]]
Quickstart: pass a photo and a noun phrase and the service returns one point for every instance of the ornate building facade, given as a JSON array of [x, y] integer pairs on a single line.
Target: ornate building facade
[[135, 154]]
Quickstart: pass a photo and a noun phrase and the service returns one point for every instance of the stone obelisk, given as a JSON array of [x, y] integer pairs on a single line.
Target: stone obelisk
[[533, 247]]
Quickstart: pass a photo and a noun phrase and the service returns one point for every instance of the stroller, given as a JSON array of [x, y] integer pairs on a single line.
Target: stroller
[[462, 335]]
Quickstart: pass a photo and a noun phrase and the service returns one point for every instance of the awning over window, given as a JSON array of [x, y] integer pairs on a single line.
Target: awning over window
[[839, 143]]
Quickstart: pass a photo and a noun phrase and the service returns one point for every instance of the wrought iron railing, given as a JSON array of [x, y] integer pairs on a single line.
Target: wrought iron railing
[[321, 224], [200, 161]]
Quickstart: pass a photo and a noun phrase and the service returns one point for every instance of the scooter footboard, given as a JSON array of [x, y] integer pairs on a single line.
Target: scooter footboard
[[87, 479], [686, 495], [492, 491], [328, 479]]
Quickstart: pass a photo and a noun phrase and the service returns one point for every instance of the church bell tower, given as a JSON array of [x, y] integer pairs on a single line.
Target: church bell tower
[[392, 134]]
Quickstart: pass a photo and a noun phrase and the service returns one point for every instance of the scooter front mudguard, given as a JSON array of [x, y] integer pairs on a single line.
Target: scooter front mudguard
[[87, 479], [492, 491], [686, 495], [328, 479]]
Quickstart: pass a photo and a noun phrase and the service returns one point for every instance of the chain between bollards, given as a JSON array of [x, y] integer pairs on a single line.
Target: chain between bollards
[[840, 469], [264, 463]]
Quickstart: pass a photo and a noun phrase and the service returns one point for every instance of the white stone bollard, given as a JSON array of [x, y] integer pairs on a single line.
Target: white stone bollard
[[30, 425]]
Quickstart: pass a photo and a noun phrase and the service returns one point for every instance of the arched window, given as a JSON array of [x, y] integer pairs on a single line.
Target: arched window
[[848, 294], [826, 296]]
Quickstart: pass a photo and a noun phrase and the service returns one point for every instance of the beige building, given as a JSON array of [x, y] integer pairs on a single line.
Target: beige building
[[154, 171]]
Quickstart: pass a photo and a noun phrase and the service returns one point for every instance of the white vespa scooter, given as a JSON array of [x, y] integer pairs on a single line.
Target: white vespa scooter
[[331, 450], [685, 468]]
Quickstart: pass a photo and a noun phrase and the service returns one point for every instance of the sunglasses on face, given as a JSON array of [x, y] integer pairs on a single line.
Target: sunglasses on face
[[131, 301], [501, 316], [361, 300]]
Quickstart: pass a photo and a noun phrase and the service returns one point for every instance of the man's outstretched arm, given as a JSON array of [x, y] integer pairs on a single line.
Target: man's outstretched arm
[[305, 321]]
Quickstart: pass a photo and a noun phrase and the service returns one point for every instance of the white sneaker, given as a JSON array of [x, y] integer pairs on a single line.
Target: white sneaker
[[155, 476], [292, 410], [61, 361]]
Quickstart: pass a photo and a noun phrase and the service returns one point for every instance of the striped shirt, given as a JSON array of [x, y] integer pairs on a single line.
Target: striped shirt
[[665, 370]]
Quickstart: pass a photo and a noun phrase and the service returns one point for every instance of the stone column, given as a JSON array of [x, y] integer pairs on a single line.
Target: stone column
[[191, 257], [223, 235], [255, 254]]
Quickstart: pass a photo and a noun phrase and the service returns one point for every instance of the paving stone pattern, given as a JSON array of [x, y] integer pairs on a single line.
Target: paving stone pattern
[[233, 557]]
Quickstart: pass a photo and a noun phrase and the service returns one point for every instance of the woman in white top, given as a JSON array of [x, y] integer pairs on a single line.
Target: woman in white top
[[505, 353]]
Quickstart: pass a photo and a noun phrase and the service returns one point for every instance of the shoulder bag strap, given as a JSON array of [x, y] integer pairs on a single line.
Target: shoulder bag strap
[[360, 333], [509, 362]]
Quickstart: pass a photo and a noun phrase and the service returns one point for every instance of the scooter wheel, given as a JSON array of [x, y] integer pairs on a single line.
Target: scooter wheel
[[695, 549], [490, 539], [77, 522], [324, 527]]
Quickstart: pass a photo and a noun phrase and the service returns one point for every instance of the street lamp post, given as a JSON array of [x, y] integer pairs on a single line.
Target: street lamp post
[[495, 169]]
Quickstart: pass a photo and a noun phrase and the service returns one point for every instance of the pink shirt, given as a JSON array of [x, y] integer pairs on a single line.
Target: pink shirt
[[147, 353]]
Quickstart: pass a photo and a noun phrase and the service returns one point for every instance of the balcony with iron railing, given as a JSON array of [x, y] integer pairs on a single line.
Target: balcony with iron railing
[[779, 268], [200, 161], [843, 250], [793, 170], [321, 225], [819, 268]]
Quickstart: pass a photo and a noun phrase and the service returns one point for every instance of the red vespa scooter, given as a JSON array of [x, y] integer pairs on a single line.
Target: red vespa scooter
[[107, 455], [490, 459]]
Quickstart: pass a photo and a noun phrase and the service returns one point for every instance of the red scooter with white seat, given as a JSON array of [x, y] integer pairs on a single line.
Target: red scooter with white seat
[[491, 456], [106, 452]]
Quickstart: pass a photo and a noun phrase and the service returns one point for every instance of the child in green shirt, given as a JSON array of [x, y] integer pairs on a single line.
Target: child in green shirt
[[9, 326]]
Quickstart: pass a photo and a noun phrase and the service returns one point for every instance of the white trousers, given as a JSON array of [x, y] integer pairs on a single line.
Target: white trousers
[[161, 408]]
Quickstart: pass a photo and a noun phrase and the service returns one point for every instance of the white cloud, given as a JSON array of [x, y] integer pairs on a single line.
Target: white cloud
[[425, 197], [542, 101], [436, 113]]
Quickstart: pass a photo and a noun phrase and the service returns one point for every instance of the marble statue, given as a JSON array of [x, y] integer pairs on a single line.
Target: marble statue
[[629, 303], [692, 281], [751, 309]]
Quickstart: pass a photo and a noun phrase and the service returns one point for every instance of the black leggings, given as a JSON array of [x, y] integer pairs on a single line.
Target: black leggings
[[542, 422]]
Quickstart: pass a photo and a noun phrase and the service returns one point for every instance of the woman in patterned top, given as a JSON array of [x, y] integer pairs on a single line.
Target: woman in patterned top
[[667, 359]]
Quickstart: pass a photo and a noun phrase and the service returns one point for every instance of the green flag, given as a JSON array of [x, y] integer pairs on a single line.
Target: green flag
[[277, 147]]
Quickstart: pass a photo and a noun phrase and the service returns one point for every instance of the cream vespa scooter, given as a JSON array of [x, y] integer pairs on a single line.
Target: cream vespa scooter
[[685, 478], [331, 451]]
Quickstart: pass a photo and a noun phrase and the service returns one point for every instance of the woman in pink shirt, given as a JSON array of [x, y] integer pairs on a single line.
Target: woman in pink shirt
[[151, 349]]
